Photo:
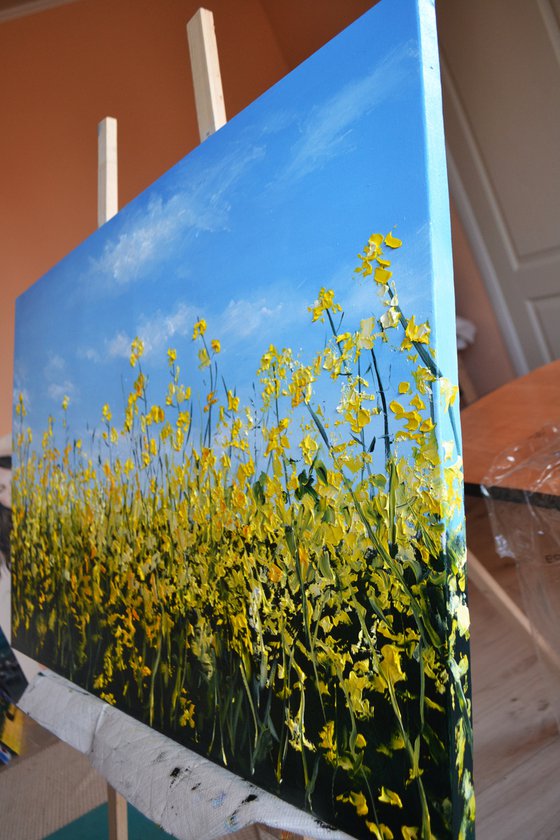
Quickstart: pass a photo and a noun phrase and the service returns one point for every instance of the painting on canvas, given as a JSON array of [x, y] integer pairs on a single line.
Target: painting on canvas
[[237, 496]]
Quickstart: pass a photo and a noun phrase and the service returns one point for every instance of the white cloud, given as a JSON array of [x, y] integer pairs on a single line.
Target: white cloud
[[157, 332], [242, 318], [277, 122], [119, 346], [55, 364], [89, 353], [327, 129], [122, 259], [58, 390], [201, 205], [59, 384]]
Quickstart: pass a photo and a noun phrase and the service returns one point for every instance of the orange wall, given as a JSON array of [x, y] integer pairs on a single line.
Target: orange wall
[[65, 69]]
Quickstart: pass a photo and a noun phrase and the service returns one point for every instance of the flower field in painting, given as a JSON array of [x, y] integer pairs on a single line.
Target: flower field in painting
[[279, 585]]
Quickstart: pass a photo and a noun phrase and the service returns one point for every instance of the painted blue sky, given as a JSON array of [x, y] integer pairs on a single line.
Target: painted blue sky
[[245, 230]]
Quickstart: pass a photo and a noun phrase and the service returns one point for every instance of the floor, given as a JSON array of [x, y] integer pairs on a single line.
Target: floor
[[517, 744]]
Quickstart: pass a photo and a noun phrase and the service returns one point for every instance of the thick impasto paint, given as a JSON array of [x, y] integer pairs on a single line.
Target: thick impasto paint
[[237, 494]]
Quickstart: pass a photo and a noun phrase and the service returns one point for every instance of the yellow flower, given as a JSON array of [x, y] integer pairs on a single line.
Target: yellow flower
[[215, 345], [390, 318], [182, 394], [300, 386], [448, 392], [199, 328], [20, 407], [354, 413], [383, 832], [157, 414], [232, 402], [136, 351], [415, 333], [308, 448], [327, 741], [358, 800], [382, 276], [106, 412], [183, 419], [171, 356], [210, 400], [178, 440], [188, 716], [392, 241], [325, 300], [65, 403], [274, 573], [374, 245], [391, 664], [366, 337], [390, 797], [203, 357]]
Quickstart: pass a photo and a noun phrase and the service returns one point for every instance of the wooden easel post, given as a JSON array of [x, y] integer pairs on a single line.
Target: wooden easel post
[[107, 174], [118, 814], [207, 80], [107, 207]]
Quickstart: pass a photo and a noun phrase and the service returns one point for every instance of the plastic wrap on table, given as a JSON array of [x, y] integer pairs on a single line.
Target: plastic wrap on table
[[522, 492]]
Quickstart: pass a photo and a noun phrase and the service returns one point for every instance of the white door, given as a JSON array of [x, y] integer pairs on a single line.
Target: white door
[[501, 81]]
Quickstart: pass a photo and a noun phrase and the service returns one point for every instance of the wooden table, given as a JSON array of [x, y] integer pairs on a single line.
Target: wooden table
[[507, 416], [502, 419]]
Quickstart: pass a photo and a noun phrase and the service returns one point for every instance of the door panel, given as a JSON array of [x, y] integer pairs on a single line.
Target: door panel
[[501, 78]]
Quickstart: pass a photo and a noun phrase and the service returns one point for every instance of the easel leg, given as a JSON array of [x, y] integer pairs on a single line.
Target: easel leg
[[118, 816], [483, 580]]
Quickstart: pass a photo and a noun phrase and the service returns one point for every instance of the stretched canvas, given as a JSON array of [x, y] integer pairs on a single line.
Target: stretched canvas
[[238, 508]]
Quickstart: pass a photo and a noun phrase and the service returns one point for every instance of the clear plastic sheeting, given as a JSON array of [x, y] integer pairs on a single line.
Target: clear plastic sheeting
[[187, 795], [522, 492]]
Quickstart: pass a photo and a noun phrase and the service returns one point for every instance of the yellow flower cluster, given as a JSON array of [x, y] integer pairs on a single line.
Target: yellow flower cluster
[[277, 594]]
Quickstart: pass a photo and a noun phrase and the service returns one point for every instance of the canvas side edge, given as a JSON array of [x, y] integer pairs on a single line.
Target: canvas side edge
[[443, 310]]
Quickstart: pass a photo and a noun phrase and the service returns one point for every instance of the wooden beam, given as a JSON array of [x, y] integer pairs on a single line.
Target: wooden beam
[[118, 815], [207, 80], [489, 586], [107, 178]]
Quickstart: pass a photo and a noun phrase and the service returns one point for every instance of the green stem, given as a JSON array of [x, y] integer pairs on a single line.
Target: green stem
[[383, 406]]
